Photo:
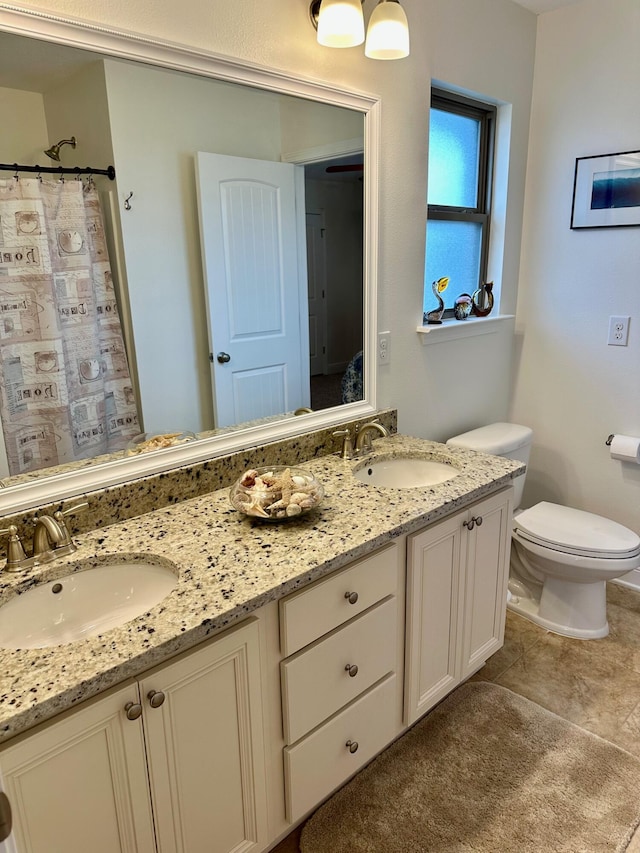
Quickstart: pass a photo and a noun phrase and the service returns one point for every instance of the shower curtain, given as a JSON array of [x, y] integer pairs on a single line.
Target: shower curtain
[[66, 390]]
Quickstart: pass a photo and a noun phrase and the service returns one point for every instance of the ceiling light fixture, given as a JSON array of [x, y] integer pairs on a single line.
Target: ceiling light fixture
[[340, 23]]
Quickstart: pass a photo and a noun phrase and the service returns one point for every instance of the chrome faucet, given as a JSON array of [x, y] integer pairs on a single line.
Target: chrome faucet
[[363, 436]]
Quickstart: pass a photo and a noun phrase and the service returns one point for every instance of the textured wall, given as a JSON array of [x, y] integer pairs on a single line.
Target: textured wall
[[570, 386]]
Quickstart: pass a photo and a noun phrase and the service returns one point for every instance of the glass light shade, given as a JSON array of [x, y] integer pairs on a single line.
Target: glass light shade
[[388, 33], [341, 23]]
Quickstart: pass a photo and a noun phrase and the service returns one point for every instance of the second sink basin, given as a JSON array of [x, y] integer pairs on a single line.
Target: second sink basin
[[405, 473], [83, 604]]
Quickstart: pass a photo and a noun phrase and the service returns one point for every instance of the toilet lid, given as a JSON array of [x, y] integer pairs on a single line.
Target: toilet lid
[[574, 531]]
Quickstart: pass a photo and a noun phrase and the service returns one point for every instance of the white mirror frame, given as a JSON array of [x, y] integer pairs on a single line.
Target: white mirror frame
[[82, 34]]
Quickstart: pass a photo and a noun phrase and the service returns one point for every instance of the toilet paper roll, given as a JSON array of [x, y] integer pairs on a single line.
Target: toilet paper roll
[[626, 448]]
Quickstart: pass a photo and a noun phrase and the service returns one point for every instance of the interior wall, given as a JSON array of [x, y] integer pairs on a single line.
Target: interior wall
[[570, 386], [486, 47], [24, 128]]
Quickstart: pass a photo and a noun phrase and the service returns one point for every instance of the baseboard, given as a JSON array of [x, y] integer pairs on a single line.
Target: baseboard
[[630, 580]]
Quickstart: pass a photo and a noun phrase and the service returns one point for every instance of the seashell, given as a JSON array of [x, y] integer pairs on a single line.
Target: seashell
[[249, 478], [293, 509], [298, 497], [276, 506]]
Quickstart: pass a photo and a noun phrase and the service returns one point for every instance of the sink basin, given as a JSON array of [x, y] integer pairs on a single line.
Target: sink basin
[[83, 604], [405, 473]]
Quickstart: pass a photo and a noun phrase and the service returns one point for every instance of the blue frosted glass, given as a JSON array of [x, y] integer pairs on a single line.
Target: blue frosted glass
[[453, 159], [453, 249]]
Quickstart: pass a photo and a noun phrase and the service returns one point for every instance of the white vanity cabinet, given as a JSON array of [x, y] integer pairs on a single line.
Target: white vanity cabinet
[[342, 679], [191, 761], [457, 574]]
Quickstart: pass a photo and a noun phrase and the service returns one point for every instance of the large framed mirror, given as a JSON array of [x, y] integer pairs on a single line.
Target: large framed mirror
[[175, 123]]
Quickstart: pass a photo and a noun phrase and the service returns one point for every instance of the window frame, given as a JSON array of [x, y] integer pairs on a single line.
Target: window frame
[[485, 114]]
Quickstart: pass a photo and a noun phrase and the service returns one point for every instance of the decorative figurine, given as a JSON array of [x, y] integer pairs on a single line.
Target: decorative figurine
[[483, 300], [435, 317], [462, 306]]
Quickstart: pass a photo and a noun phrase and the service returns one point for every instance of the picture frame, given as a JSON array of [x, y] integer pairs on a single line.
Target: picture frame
[[606, 191]]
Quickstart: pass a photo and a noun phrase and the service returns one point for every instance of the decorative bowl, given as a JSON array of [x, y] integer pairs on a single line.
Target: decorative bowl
[[147, 442], [276, 492]]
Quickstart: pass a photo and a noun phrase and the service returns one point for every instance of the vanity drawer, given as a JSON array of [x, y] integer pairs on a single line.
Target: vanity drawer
[[316, 682], [306, 615], [322, 761]]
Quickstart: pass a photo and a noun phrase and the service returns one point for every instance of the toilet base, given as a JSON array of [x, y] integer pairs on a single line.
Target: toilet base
[[570, 609]]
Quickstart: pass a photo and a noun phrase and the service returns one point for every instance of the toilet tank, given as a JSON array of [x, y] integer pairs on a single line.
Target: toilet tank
[[511, 441]]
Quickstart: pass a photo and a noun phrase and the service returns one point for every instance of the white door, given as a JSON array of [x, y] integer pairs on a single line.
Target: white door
[[203, 728], [485, 583], [80, 785], [252, 237], [316, 270]]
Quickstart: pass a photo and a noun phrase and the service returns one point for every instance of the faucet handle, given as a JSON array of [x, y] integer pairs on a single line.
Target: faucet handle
[[16, 556], [347, 443], [60, 515]]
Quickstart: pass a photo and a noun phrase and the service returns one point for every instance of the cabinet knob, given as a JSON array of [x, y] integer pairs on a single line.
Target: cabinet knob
[[469, 524], [352, 746], [133, 710], [352, 669], [156, 698], [478, 520], [351, 597]]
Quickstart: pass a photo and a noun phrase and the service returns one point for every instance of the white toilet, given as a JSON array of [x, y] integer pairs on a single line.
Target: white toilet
[[561, 558]]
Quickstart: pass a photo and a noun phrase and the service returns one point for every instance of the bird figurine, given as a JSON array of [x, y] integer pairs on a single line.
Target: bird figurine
[[435, 316]]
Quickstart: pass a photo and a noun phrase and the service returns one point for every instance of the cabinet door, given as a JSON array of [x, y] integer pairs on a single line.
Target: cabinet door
[[80, 784], [486, 577], [433, 581], [205, 747]]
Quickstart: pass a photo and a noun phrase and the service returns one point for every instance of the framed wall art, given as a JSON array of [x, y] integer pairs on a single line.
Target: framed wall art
[[606, 191]]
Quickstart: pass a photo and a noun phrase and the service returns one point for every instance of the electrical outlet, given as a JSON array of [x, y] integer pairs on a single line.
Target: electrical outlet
[[618, 331], [384, 347]]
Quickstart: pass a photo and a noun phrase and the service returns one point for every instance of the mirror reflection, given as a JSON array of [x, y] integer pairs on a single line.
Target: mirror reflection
[[217, 281]]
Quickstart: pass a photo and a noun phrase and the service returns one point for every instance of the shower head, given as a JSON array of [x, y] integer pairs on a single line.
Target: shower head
[[54, 151]]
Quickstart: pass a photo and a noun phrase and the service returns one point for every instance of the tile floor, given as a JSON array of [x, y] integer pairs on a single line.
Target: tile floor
[[593, 683]]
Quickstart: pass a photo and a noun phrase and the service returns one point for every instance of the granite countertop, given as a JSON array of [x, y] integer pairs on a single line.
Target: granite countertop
[[228, 565]]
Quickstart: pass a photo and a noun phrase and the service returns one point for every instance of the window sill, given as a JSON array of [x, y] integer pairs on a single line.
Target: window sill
[[452, 329]]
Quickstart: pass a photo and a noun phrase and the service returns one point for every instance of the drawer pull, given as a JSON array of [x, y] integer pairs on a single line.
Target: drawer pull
[[352, 746], [156, 698], [352, 669], [352, 597], [133, 710]]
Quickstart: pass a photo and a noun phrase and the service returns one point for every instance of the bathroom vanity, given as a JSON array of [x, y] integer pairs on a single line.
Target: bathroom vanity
[[285, 659]]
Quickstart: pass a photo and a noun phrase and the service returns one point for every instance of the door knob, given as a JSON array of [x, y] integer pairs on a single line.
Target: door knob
[[223, 357]]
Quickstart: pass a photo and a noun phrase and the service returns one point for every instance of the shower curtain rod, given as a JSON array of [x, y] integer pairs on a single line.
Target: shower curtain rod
[[110, 172]]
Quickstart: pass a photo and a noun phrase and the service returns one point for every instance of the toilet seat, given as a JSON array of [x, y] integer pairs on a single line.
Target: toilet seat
[[575, 532]]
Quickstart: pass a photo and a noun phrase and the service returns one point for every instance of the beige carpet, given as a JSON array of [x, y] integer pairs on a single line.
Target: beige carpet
[[486, 771]]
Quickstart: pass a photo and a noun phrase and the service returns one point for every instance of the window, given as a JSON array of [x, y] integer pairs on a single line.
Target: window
[[461, 134]]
